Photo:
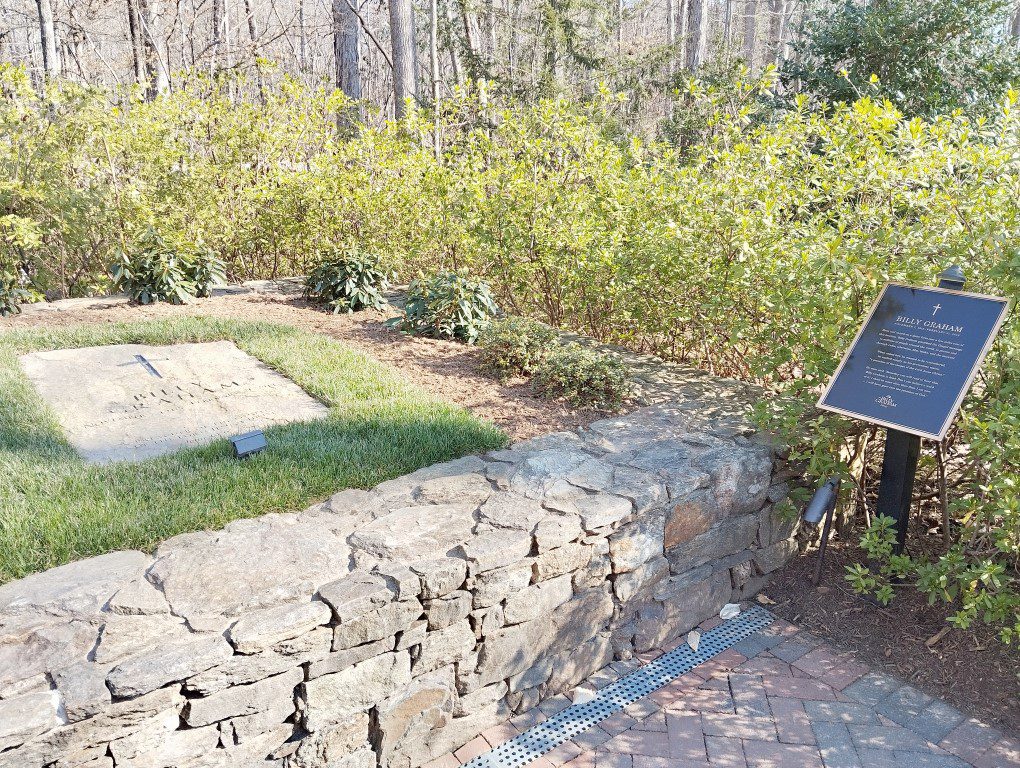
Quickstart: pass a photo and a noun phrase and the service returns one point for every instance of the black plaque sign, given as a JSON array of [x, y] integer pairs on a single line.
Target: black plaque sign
[[915, 358]]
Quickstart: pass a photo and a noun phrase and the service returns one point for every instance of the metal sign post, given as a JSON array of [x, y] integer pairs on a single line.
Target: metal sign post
[[902, 450]]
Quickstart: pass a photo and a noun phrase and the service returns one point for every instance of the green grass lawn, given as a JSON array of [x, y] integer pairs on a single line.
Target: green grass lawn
[[55, 508]]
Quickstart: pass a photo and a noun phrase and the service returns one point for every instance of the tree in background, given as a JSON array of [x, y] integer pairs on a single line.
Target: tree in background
[[47, 37], [929, 56], [405, 81], [346, 50]]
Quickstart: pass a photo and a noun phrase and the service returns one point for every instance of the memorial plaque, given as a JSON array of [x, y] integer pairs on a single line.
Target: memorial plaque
[[915, 358], [131, 402]]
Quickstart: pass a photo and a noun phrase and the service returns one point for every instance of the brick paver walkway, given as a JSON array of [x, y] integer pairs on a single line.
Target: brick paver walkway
[[779, 699]]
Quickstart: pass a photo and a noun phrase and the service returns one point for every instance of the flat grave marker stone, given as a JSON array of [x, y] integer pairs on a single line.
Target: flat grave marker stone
[[130, 402]]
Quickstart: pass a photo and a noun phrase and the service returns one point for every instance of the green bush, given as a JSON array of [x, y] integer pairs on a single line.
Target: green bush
[[347, 281], [751, 251], [515, 345], [450, 305], [153, 271], [206, 271], [927, 56], [584, 377], [12, 296]]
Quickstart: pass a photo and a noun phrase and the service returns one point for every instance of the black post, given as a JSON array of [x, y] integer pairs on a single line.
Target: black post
[[896, 489]]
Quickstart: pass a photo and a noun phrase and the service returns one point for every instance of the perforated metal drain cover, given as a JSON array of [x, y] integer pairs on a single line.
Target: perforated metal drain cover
[[578, 718]]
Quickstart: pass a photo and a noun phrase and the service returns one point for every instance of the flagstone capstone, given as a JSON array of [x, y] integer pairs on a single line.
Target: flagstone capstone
[[384, 628]]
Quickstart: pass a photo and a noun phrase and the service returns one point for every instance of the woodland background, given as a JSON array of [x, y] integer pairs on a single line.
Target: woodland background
[[383, 52]]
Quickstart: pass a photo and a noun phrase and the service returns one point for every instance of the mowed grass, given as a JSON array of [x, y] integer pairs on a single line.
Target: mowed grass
[[55, 508]]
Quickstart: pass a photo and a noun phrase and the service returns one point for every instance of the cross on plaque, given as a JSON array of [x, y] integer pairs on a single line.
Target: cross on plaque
[[935, 309]]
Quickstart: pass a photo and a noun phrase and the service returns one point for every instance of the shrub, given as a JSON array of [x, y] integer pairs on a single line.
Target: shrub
[[751, 252], [515, 345], [927, 56], [583, 377], [154, 272], [12, 295], [347, 281], [206, 271], [450, 305]]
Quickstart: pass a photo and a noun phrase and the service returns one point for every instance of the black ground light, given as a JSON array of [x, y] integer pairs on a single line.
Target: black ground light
[[248, 444], [822, 506]]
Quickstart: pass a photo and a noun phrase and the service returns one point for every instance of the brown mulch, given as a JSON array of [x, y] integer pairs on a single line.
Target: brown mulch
[[971, 668], [447, 369]]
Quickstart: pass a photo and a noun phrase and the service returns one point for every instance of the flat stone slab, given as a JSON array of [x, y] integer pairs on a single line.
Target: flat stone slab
[[130, 402]]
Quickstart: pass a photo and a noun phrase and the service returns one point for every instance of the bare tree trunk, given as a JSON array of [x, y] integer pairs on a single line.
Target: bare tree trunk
[[252, 30], [490, 34], [302, 37], [683, 24], [727, 27], [134, 29], [471, 35], [750, 31], [434, 49], [671, 61], [434, 71], [697, 34], [782, 50], [48, 37], [619, 27], [347, 48], [402, 39], [156, 71], [450, 40], [777, 18], [217, 32], [670, 23], [1014, 28], [253, 36]]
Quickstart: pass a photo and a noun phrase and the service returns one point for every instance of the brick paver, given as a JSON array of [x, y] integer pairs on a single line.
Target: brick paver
[[779, 699]]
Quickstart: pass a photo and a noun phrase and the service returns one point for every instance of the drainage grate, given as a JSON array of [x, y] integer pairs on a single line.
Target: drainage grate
[[578, 718]]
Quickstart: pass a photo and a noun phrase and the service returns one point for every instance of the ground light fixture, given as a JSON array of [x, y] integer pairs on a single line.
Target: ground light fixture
[[248, 444], [821, 507]]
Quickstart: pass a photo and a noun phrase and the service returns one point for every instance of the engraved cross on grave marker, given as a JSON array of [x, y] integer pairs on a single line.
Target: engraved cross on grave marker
[[143, 361]]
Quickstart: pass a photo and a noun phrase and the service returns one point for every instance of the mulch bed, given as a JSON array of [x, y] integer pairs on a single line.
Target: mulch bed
[[971, 668]]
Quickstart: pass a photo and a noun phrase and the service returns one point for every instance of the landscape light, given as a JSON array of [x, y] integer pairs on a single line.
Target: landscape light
[[824, 498], [821, 506], [248, 444]]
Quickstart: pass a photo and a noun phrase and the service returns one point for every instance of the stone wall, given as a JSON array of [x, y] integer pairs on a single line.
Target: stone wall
[[387, 627]]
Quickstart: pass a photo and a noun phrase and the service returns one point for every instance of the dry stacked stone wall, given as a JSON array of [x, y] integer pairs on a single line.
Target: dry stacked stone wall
[[388, 627]]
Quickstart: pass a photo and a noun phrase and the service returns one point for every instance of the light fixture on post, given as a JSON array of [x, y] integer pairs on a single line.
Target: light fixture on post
[[821, 507]]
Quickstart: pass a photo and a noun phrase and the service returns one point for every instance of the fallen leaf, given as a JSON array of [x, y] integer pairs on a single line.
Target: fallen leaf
[[583, 695], [694, 639], [932, 641], [765, 599], [729, 611]]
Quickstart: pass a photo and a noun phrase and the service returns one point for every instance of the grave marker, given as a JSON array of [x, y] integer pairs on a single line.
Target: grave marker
[[131, 402]]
